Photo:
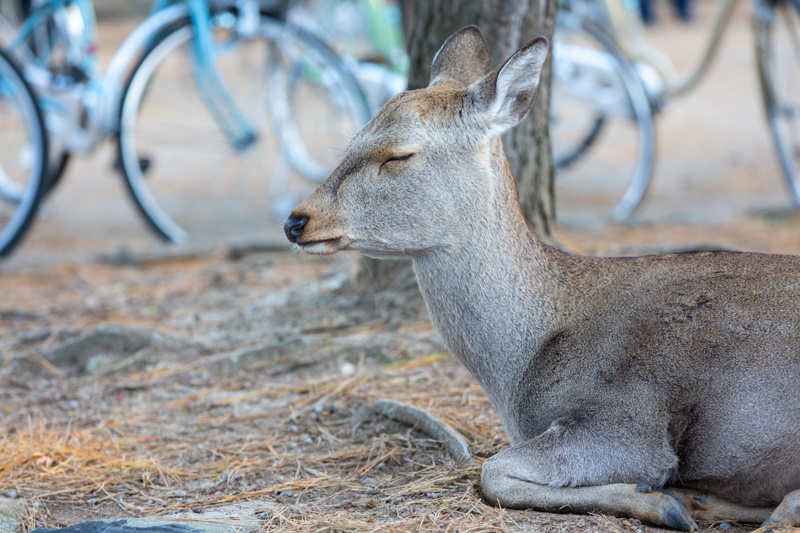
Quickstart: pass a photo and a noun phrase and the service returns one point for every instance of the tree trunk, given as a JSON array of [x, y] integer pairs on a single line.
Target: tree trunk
[[506, 25]]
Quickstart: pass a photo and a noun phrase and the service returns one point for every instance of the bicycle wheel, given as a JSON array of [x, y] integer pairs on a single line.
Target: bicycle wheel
[[315, 102], [596, 90], [23, 156], [778, 37], [186, 175]]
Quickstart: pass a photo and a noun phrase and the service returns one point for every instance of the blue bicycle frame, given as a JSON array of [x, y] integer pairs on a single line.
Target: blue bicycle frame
[[81, 47]]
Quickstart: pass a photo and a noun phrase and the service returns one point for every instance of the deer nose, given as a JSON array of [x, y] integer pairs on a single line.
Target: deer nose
[[293, 227]]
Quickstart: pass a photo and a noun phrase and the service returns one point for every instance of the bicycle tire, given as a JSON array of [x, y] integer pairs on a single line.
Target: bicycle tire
[[641, 109], [55, 171], [285, 112], [163, 219], [781, 100], [581, 148], [17, 216]]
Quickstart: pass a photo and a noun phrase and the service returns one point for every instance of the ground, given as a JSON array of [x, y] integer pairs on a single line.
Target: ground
[[222, 383]]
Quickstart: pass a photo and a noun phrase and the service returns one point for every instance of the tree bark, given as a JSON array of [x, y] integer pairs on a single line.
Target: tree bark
[[507, 25]]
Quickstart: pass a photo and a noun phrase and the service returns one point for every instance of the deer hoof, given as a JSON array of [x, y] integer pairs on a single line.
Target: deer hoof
[[674, 515]]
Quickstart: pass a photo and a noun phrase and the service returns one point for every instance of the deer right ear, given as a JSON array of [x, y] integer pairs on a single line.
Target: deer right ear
[[463, 58], [504, 96]]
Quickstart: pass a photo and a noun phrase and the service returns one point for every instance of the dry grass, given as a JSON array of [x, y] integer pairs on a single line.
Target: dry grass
[[270, 444], [204, 446]]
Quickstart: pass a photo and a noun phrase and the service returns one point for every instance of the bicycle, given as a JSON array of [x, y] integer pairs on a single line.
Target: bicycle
[[597, 89], [23, 155], [776, 26], [185, 92]]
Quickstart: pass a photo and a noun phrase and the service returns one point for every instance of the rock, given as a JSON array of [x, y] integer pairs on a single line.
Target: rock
[[249, 359], [12, 512], [67, 332], [34, 337], [98, 363], [155, 254], [98, 348], [20, 314], [144, 525]]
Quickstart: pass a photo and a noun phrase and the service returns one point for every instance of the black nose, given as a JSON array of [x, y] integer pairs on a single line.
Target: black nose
[[293, 227]]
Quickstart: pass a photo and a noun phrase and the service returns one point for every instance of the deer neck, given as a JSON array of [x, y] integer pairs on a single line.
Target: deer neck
[[487, 291]]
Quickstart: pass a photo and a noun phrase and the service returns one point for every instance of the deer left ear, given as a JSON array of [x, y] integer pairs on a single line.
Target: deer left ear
[[505, 95], [463, 58]]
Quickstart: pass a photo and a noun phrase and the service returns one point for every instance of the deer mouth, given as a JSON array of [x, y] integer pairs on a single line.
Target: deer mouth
[[323, 246]]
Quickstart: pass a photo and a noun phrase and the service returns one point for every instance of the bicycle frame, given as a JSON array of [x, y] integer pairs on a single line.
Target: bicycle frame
[[100, 98], [628, 30]]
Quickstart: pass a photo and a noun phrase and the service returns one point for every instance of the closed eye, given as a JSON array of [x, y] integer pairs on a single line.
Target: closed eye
[[403, 157], [398, 158]]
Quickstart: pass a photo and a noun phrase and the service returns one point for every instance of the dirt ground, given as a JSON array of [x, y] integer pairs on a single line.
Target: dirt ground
[[226, 380]]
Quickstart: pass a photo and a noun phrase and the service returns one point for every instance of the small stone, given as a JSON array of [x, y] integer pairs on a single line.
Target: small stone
[[91, 501], [725, 526], [100, 362], [67, 332], [402, 509], [432, 495], [293, 428], [262, 516], [307, 441], [636, 522], [35, 336], [347, 368], [318, 409], [37, 504], [74, 404], [197, 510], [11, 495]]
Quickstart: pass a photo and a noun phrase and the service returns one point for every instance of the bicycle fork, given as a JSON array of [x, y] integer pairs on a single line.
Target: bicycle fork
[[212, 87]]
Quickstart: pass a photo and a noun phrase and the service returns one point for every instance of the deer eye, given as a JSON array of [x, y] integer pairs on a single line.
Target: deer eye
[[401, 157]]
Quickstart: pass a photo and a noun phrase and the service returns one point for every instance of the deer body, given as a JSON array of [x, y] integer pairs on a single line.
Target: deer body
[[663, 387], [698, 349]]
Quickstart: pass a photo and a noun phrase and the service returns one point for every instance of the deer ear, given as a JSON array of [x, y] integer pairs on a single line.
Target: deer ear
[[463, 58], [505, 95]]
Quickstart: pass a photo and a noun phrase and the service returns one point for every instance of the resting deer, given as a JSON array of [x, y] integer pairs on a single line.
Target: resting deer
[[664, 388]]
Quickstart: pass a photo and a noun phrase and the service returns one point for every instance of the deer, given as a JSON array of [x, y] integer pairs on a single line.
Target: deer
[[664, 388]]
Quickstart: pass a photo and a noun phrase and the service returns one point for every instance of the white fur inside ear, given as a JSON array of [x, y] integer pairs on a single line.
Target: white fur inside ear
[[516, 87]]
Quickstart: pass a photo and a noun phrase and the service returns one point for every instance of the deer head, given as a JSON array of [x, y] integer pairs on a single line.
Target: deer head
[[415, 177]]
